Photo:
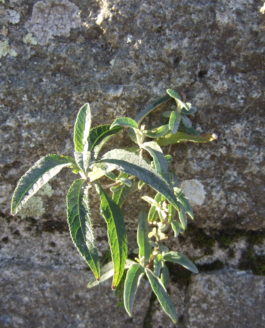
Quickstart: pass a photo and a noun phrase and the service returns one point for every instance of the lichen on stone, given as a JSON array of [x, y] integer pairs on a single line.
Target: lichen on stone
[[29, 39], [53, 18], [13, 16], [6, 50], [194, 191], [33, 208]]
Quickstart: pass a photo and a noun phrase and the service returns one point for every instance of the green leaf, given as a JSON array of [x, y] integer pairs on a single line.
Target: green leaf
[[36, 177], [160, 162], [186, 121], [165, 276], [131, 284], [174, 94], [180, 104], [179, 258], [82, 128], [80, 225], [134, 165], [174, 121], [99, 134], [125, 122], [159, 132], [158, 265], [152, 214], [83, 160], [120, 193], [184, 202], [160, 103], [162, 295], [142, 238], [182, 217], [171, 139], [116, 233], [171, 212], [176, 227]]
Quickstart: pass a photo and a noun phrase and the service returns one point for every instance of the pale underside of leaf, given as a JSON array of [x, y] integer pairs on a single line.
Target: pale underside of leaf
[[80, 225], [36, 177], [107, 271], [134, 165], [131, 285], [162, 295], [82, 128], [116, 233], [160, 162]]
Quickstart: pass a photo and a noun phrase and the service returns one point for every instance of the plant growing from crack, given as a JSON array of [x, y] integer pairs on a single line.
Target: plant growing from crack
[[128, 170]]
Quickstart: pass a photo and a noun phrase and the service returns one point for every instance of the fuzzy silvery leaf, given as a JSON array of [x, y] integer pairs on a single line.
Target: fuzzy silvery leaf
[[131, 284], [82, 128], [136, 166], [162, 295], [179, 258], [142, 238], [80, 225], [36, 177], [116, 234]]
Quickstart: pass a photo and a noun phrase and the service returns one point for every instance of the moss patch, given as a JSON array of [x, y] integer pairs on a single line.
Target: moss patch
[[253, 262], [199, 239]]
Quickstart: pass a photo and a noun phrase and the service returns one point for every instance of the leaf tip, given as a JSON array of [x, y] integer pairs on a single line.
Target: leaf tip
[[213, 137]]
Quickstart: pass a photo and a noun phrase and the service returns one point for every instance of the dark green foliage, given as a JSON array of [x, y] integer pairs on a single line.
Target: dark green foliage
[[127, 170]]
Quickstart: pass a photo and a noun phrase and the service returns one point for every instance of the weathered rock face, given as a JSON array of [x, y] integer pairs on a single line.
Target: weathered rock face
[[119, 55]]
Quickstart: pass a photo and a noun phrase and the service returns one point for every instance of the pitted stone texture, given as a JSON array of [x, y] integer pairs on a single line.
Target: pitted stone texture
[[45, 296], [53, 18], [226, 299]]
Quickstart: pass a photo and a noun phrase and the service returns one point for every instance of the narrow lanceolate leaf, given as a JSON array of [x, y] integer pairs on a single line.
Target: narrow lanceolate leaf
[[171, 139], [125, 122], [120, 193], [99, 133], [180, 104], [80, 226], [82, 128], [142, 238], [107, 271], [174, 121], [36, 177], [179, 258], [184, 202], [165, 275], [116, 233], [131, 284], [134, 165], [82, 159], [153, 214], [162, 295], [160, 162], [182, 217], [159, 132], [160, 103], [176, 227]]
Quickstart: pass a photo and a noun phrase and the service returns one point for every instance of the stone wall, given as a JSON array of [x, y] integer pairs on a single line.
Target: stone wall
[[118, 55]]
